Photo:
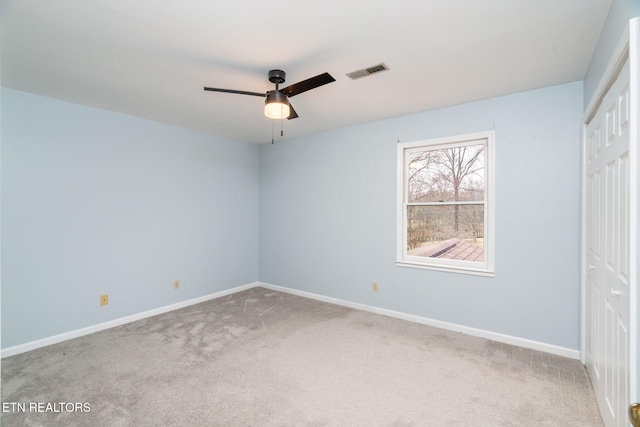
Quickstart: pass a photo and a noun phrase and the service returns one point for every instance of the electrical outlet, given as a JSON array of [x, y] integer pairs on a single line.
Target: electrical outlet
[[104, 299], [375, 286], [176, 284]]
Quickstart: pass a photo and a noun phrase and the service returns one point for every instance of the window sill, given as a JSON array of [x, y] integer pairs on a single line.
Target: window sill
[[449, 269]]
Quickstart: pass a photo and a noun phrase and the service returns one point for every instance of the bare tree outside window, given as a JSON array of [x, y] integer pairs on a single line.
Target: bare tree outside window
[[445, 197]]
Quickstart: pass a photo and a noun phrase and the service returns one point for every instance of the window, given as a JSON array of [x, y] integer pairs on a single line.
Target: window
[[445, 204]]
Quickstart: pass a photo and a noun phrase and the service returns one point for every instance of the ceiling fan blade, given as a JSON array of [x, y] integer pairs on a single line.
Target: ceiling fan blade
[[292, 113], [305, 85], [240, 92]]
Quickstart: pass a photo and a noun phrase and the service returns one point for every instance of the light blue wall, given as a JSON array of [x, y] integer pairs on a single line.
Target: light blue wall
[[328, 217], [97, 202], [620, 12]]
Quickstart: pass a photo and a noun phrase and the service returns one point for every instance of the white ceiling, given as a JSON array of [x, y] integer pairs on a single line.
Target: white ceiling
[[152, 58]]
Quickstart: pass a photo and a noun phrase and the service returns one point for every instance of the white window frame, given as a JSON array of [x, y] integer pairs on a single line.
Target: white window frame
[[485, 268]]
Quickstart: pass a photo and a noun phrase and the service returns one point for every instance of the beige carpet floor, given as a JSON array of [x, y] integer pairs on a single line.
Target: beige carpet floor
[[265, 358]]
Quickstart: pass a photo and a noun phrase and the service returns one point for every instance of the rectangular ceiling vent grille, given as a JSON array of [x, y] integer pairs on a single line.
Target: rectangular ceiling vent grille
[[367, 71]]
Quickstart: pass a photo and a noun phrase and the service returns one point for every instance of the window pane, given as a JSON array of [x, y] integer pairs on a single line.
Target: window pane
[[446, 175], [446, 231]]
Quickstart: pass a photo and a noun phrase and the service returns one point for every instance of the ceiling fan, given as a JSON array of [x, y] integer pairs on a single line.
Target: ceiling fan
[[277, 105]]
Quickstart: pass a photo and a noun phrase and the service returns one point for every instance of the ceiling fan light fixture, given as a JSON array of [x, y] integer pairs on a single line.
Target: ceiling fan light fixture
[[276, 105]]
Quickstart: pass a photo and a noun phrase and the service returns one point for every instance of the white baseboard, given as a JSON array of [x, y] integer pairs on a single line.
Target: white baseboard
[[494, 336], [507, 339], [11, 351]]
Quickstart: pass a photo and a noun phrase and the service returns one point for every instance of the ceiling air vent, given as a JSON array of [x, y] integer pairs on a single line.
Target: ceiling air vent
[[367, 71]]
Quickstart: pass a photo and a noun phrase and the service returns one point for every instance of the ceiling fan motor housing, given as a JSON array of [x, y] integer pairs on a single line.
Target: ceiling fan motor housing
[[277, 76]]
